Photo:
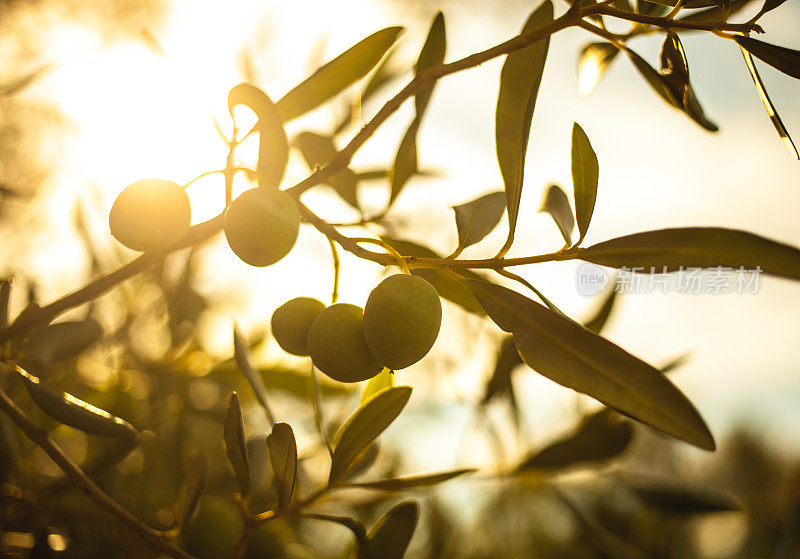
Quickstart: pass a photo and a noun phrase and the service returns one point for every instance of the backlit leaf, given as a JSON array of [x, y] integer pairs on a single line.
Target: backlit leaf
[[674, 498], [273, 147], [520, 79], [236, 444], [572, 356], [508, 359], [696, 247], [318, 151], [585, 172], [62, 340], [384, 379], [781, 58], [769, 5], [598, 321], [195, 480], [241, 352], [283, 458], [391, 534], [358, 530], [364, 426], [476, 219], [5, 296], [556, 203], [715, 14], [335, 76], [592, 65], [412, 482], [688, 5], [675, 74], [73, 411], [600, 437]]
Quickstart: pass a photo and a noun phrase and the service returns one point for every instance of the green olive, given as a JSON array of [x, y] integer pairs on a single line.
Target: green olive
[[291, 321], [214, 530], [337, 347], [262, 225], [150, 214], [402, 318]]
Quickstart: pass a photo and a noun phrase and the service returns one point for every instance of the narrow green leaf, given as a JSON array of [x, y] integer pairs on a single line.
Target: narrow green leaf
[[391, 534], [585, 172], [679, 499], [556, 203], [358, 530], [73, 411], [384, 73], [5, 296], [601, 437], [520, 79], [598, 321], [283, 458], [675, 74], [649, 8], [715, 14], [335, 76], [412, 482], [691, 4], [318, 151], [508, 359], [696, 247], [195, 480], [653, 78], [780, 58], [241, 353], [273, 147], [476, 219], [62, 340], [592, 65], [384, 379], [769, 5], [447, 287], [572, 356], [236, 444], [289, 381], [364, 426], [363, 462], [431, 55], [769, 106]]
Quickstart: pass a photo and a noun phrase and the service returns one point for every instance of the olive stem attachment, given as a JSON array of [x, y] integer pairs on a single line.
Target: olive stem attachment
[[401, 261]]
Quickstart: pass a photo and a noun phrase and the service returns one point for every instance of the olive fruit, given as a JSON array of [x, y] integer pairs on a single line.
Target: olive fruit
[[150, 214], [401, 320], [291, 321], [214, 530], [262, 225], [337, 347]]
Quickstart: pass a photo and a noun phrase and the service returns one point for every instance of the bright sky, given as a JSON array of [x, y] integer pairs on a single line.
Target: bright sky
[[136, 114]]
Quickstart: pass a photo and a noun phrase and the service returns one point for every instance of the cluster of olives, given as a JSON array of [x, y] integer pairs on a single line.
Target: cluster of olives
[[261, 225], [397, 327]]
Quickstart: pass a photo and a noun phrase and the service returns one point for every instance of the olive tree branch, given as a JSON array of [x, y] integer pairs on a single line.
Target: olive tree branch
[[156, 539], [669, 23]]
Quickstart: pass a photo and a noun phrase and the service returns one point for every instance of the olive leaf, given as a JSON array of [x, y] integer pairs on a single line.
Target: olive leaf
[[649, 8], [476, 219], [696, 247], [600, 437], [411, 482], [5, 296], [675, 73], [780, 58], [769, 5], [364, 426], [72, 411], [690, 4], [283, 458], [335, 76], [195, 480], [391, 534], [594, 60], [286, 380], [62, 340], [358, 530], [432, 54], [599, 319], [236, 445], [679, 499], [715, 14], [585, 172], [508, 359], [273, 147], [384, 379], [318, 151], [571, 355], [520, 79], [769, 106], [241, 353]]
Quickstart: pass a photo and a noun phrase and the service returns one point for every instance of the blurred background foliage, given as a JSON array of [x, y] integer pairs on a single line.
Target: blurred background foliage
[[602, 487]]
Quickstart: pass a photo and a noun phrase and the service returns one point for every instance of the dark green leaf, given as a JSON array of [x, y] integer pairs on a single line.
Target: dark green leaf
[[556, 203], [675, 74], [508, 359], [520, 79], [696, 247], [283, 458], [585, 172], [318, 151], [62, 340], [600, 437], [391, 534], [273, 148], [448, 287], [431, 55], [412, 482], [335, 76], [571, 355], [592, 65], [781, 58], [476, 219], [364, 426], [768, 105], [241, 352], [596, 323], [195, 480], [73, 411], [680, 499], [236, 444]]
